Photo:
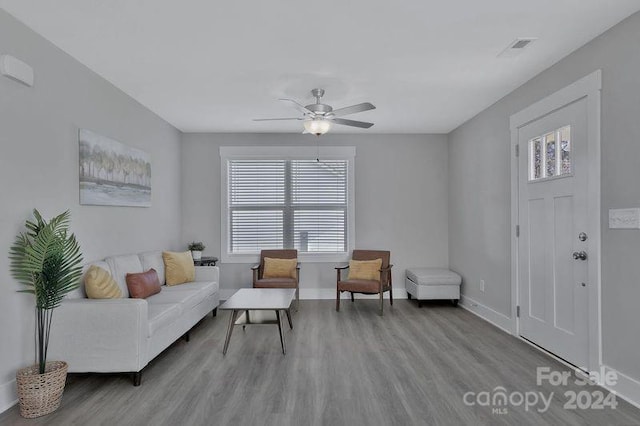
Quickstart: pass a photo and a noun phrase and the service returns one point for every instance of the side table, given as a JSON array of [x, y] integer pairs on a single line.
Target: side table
[[206, 261]]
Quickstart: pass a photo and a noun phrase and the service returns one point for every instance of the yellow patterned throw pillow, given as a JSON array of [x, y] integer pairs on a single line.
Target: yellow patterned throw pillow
[[178, 267], [279, 268], [365, 269], [98, 284]]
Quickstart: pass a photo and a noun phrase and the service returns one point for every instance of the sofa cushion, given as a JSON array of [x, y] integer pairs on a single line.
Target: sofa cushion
[[98, 284], [143, 284], [161, 315], [365, 269], [153, 260], [120, 266], [186, 297], [179, 267], [207, 287]]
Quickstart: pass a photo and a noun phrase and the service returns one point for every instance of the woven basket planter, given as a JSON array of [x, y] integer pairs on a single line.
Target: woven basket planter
[[40, 394]]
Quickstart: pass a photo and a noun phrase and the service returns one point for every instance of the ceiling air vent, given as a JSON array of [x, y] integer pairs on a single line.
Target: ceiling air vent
[[516, 47]]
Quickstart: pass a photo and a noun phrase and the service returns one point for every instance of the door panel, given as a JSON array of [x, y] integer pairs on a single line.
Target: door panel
[[537, 260], [563, 236]]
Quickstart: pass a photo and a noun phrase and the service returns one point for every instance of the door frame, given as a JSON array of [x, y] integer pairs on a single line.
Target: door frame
[[589, 88]]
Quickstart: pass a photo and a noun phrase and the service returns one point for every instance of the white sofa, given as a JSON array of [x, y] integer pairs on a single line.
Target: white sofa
[[123, 335]]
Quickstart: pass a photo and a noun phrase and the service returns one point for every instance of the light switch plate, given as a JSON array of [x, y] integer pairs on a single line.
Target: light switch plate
[[624, 219]]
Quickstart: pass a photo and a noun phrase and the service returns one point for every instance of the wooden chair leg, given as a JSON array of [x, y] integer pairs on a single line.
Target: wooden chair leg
[[381, 299], [391, 295], [297, 299], [352, 297], [337, 300]]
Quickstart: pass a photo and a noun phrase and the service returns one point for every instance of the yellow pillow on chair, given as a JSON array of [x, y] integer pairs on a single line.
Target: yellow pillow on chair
[[365, 269], [279, 268]]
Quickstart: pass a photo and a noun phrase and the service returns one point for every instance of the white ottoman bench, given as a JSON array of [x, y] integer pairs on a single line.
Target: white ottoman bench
[[433, 283]]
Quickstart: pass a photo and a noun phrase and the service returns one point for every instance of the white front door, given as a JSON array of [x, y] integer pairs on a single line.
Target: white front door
[[553, 224]]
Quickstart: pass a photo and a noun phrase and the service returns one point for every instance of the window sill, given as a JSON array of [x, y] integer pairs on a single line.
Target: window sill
[[302, 258]]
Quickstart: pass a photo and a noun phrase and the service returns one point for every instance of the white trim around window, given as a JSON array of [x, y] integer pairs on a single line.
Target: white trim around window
[[326, 153]]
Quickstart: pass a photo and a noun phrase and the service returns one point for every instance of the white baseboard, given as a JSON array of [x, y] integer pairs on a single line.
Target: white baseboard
[[324, 294], [626, 387], [317, 293], [486, 313], [8, 395]]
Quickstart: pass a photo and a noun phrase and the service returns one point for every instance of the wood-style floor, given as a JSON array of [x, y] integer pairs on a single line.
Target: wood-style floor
[[411, 367]]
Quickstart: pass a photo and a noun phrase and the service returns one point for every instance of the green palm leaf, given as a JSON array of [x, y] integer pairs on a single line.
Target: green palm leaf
[[46, 260]]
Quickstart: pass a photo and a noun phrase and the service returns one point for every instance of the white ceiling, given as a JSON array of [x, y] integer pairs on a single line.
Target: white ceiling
[[212, 66]]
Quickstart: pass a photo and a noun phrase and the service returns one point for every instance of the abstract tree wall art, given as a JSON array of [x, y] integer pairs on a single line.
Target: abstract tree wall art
[[111, 173]]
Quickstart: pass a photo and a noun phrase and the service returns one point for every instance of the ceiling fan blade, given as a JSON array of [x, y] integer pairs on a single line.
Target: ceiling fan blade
[[353, 123], [299, 106], [365, 106], [277, 119]]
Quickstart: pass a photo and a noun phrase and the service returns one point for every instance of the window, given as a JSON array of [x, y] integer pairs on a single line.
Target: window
[[285, 198], [544, 159]]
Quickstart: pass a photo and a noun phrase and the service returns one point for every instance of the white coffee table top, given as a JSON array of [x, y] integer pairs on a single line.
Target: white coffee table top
[[260, 299]]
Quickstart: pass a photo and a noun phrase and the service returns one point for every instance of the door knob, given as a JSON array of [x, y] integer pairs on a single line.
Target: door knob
[[580, 255]]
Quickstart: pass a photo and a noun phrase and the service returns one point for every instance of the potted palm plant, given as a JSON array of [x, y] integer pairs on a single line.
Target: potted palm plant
[[196, 248], [46, 260]]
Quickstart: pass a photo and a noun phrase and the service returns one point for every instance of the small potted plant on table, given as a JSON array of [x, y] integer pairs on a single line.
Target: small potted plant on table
[[46, 260], [196, 248]]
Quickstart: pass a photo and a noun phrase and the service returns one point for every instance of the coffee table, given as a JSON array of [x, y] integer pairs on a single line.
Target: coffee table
[[261, 300]]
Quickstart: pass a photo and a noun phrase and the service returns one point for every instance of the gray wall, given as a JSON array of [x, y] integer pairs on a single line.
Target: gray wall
[[401, 200], [39, 168], [479, 176]]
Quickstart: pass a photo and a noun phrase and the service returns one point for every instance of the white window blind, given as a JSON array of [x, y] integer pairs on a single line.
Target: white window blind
[[300, 204], [319, 204]]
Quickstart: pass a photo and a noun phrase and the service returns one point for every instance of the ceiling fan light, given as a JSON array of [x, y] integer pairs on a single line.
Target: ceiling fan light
[[317, 126]]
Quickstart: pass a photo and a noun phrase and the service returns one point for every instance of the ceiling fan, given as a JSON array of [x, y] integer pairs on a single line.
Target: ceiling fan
[[318, 117]]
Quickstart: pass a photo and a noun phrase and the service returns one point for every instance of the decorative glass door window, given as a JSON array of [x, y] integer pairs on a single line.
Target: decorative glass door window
[[550, 154]]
